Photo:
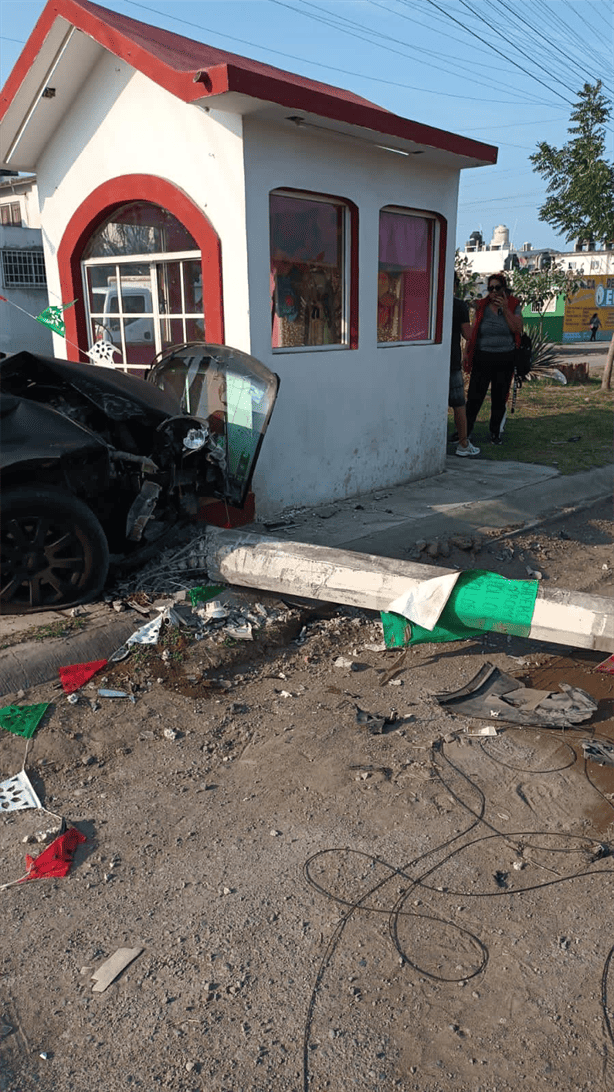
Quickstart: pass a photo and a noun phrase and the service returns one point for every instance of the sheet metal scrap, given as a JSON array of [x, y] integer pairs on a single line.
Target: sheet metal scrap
[[493, 694], [599, 750]]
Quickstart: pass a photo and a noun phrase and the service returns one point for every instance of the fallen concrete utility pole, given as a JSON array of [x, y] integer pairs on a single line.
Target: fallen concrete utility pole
[[373, 583]]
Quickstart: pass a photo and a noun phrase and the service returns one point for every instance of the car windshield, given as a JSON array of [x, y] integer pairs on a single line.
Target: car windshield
[[230, 391]]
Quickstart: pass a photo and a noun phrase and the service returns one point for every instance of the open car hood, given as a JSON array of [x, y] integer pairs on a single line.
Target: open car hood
[[232, 393]]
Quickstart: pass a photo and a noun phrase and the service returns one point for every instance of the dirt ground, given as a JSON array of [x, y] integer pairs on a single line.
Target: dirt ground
[[319, 906]]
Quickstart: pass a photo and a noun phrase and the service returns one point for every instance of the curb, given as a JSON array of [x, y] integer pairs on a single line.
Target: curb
[[31, 663]]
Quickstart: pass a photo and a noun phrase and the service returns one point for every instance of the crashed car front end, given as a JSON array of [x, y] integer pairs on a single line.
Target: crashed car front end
[[96, 462]]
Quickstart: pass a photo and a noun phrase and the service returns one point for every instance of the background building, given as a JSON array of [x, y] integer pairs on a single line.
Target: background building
[[23, 280]]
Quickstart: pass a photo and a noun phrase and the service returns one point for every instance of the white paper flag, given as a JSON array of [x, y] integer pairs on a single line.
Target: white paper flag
[[17, 793]]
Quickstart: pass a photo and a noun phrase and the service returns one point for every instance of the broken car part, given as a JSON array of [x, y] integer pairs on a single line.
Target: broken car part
[[95, 461], [492, 694]]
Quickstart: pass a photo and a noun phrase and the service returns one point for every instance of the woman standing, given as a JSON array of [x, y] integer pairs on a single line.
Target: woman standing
[[489, 356]]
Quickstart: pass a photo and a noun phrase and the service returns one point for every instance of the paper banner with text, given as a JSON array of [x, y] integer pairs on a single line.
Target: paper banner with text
[[479, 602]]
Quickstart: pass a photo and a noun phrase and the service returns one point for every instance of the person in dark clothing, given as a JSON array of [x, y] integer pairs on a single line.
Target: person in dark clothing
[[593, 326], [456, 393], [489, 356]]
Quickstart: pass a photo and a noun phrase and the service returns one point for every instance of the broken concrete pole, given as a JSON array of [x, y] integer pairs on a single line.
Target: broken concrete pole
[[373, 583]]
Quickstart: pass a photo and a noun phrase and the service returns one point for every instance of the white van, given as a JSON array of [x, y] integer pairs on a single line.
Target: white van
[[136, 301]]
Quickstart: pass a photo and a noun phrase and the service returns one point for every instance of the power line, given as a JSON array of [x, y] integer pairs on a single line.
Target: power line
[[564, 53], [295, 57], [498, 51], [344, 25], [486, 22]]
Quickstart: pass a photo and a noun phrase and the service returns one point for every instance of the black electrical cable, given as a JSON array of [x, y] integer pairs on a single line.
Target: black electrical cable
[[517, 839]]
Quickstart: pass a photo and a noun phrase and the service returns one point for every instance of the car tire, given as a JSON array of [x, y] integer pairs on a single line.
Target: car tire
[[53, 551]]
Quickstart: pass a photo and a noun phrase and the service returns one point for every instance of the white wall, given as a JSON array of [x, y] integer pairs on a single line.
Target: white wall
[[346, 421], [122, 123]]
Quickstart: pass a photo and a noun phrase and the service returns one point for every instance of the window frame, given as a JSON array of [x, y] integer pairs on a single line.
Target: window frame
[[31, 257], [126, 317], [436, 286], [11, 214], [349, 319]]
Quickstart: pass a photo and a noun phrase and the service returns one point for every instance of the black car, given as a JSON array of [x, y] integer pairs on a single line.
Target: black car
[[97, 462]]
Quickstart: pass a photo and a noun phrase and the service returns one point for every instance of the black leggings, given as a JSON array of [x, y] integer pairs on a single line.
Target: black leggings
[[494, 370]]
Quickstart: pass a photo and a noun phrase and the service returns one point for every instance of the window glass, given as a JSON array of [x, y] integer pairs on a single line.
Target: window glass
[[139, 228], [307, 239], [404, 283]]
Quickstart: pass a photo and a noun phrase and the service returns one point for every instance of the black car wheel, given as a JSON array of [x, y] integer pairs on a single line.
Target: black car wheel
[[53, 551]]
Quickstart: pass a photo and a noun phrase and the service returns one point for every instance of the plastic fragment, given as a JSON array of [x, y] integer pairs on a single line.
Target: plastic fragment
[[116, 694]]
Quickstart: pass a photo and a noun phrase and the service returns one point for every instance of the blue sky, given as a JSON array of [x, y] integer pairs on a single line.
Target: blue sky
[[503, 71]]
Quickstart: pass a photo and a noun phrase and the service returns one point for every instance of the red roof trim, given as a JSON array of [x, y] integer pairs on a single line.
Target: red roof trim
[[96, 207], [186, 68]]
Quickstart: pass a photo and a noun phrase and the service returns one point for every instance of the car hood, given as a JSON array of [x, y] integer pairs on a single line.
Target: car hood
[[32, 432], [118, 395]]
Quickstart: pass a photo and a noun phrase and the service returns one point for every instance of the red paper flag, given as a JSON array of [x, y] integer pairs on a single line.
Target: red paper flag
[[76, 675], [56, 859]]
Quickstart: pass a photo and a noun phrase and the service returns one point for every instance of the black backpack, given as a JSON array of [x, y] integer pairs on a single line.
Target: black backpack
[[523, 357], [523, 360]]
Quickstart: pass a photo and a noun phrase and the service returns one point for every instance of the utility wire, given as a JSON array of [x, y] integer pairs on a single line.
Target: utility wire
[[295, 57], [505, 39], [498, 51], [564, 53], [365, 34]]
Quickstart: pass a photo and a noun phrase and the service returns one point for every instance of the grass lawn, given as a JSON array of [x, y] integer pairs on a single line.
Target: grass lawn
[[571, 428]]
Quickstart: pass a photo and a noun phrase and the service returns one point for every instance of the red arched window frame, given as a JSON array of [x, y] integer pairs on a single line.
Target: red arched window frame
[[96, 208]]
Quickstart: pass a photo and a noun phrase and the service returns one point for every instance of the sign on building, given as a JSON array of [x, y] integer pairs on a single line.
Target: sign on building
[[595, 297]]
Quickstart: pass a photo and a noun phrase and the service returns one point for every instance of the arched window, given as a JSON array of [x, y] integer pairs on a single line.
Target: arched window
[[142, 273]]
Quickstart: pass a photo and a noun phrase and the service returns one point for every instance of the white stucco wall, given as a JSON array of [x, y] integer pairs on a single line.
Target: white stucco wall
[[347, 420], [122, 123]]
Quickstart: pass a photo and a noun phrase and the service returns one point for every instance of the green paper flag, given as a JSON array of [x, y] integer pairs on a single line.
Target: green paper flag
[[22, 720], [204, 594], [52, 317], [480, 601]]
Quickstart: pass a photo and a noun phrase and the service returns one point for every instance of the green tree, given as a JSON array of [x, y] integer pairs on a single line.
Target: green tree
[[580, 201], [536, 288], [468, 281]]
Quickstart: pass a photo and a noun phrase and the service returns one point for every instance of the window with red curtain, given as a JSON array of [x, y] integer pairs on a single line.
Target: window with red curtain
[[307, 279], [405, 276]]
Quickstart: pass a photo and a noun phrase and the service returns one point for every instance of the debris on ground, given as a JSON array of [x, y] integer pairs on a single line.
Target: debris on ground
[[74, 676], [494, 694], [22, 720], [17, 793], [113, 967], [57, 859], [599, 751]]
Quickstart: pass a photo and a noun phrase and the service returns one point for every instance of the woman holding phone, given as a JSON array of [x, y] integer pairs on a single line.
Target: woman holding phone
[[489, 356]]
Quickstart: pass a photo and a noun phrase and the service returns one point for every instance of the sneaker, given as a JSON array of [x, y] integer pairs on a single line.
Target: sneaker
[[469, 450], [454, 438], [494, 439]]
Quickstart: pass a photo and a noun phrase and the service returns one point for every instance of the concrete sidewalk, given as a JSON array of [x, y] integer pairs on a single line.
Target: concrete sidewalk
[[469, 497]]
